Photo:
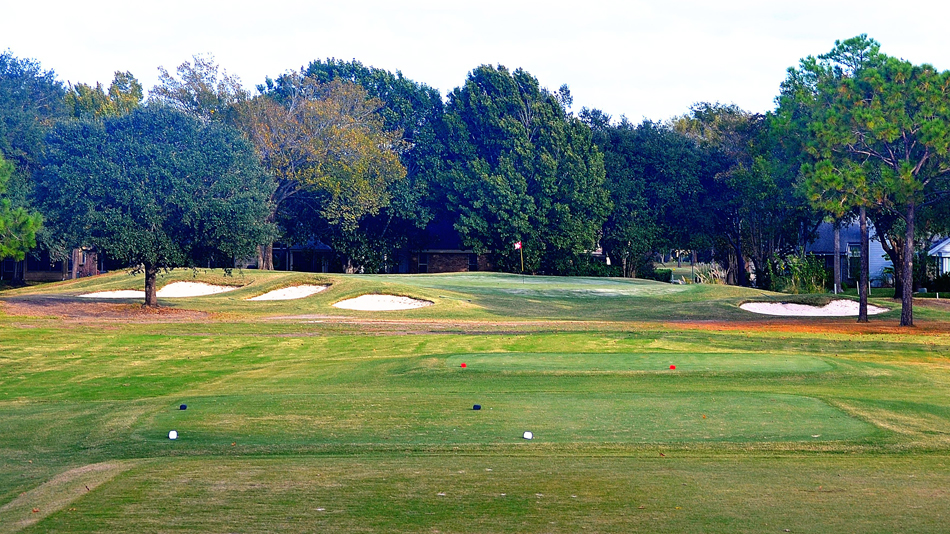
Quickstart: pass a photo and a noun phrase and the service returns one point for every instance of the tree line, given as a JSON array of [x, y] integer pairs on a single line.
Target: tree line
[[364, 160]]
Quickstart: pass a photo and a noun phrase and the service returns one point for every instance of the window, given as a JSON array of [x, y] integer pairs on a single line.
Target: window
[[473, 262], [423, 262], [854, 261]]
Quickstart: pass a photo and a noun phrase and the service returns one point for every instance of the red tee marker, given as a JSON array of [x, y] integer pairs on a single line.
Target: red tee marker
[[463, 365], [673, 367]]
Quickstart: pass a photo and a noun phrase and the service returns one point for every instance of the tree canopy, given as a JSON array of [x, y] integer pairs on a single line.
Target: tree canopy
[[202, 89], [327, 141], [880, 128], [87, 102], [31, 99], [157, 189], [520, 169]]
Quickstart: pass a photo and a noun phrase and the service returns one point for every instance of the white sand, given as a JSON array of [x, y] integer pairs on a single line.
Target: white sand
[[124, 294], [290, 293], [835, 308], [171, 291], [381, 303]]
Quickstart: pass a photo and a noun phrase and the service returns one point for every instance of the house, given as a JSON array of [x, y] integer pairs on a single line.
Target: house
[[39, 266], [443, 252], [941, 251], [850, 253], [313, 256]]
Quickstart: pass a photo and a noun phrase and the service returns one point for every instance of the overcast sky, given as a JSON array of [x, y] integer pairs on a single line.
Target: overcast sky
[[635, 58]]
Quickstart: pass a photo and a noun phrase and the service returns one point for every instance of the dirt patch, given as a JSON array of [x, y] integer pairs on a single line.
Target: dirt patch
[[95, 311]]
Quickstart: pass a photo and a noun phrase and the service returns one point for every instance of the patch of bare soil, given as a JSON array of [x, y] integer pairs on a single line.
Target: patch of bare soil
[[75, 310]]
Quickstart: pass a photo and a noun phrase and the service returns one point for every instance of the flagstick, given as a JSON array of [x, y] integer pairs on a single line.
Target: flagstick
[[521, 250]]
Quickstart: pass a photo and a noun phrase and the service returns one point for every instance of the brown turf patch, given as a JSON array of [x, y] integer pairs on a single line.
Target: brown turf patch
[[74, 310]]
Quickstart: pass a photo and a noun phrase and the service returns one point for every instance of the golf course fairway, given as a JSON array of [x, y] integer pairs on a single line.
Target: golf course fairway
[[652, 407]]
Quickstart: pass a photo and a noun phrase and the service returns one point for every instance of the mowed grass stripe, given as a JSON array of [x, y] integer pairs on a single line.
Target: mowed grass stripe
[[639, 361], [419, 420]]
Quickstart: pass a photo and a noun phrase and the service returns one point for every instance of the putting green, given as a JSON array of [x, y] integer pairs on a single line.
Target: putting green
[[618, 362], [423, 420], [537, 286]]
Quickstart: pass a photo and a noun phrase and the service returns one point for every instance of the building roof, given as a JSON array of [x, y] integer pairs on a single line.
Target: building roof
[[942, 248]]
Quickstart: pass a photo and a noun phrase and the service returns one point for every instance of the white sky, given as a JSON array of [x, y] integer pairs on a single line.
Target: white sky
[[642, 59]]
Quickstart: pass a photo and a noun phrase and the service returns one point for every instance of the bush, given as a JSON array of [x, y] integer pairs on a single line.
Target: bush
[[709, 273], [662, 275], [940, 284], [801, 275], [582, 265]]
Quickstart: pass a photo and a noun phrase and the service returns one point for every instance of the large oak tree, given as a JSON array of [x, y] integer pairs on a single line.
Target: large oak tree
[[520, 168], [157, 189]]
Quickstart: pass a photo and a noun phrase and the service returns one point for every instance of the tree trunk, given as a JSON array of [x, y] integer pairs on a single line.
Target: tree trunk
[[151, 275], [74, 257], [865, 268], [741, 278], [907, 281], [837, 257], [265, 257]]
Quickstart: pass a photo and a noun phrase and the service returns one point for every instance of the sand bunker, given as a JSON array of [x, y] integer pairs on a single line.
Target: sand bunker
[[381, 303], [835, 308], [171, 291], [290, 293]]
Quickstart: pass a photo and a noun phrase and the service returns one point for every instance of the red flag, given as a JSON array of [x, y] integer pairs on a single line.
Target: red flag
[[517, 245]]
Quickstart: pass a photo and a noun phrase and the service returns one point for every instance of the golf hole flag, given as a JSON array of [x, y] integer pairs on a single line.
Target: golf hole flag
[[521, 250]]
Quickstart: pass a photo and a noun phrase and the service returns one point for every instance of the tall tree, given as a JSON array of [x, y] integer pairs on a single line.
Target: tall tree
[[652, 173], [157, 189], [415, 111], [18, 226], [520, 168], [748, 203], [891, 118], [327, 140]]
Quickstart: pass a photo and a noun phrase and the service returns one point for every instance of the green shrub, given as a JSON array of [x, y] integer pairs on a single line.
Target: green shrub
[[801, 275]]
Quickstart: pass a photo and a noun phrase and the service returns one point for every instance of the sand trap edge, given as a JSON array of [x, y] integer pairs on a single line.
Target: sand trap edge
[[171, 291], [290, 293], [379, 302], [835, 308]]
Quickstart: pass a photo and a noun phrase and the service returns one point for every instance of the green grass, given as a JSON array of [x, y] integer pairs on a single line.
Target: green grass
[[303, 417]]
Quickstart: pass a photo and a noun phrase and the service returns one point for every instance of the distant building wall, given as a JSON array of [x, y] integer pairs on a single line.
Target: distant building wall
[[448, 261], [850, 250]]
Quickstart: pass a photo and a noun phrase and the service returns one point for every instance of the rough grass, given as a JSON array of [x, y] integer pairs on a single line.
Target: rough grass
[[302, 417]]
